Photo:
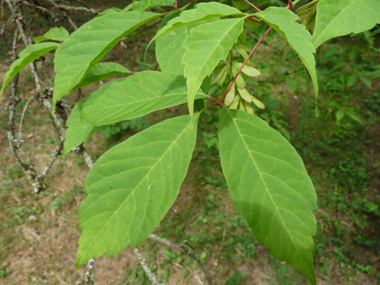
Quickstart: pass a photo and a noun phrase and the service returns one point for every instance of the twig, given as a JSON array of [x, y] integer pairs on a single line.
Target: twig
[[72, 23], [87, 276], [146, 268], [87, 158], [257, 9], [19, 134], [183, 250], [39, 184], [42, 9], [242, 66], [30, 171], [73, 8]]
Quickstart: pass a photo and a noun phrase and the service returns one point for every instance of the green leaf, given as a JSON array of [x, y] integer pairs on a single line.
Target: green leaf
[[136, 96], [352, 114], [100, 72], [366, 81], [148, 4], [248, 70], [205, 47], [203, 11], [54, 34], [170, 47], [133, 185], [337, 18], [86, 46], [339, 115], [108, 11], [351, 80], [283, 21], [78, 130], [28, 55], [270, 187], [307, 14]]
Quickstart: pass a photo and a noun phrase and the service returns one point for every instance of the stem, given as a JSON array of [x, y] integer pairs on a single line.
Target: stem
[[290, 5], [252, 5], [244, 63], [184, 7]]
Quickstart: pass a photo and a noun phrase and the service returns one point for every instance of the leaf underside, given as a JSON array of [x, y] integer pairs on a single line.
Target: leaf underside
[[283, 21], [54, 34], [270, 187], [100, 72], [87, 45], [28, 55], [170, 47], [206, 46], [132, 186], [78, 129], [203, 11], [337, 18], [135, 96]]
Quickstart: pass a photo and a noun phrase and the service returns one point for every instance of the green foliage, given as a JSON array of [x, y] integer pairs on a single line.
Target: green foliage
[[100, 72], [112, 130], [278, 209], [203, 11], [133, 185], [54, 34], [78, 130], [4, 271], [283, 21], [205, 47], [135, 96], [28, 55], [342, 17], [90, 43]]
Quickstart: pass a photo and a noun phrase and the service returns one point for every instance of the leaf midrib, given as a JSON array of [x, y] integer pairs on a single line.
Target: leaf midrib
[[185, 128], [333, 19], [216, 46], [266, 188]]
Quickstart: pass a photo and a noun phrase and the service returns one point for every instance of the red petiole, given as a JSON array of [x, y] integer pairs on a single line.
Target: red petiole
[[244, 63]]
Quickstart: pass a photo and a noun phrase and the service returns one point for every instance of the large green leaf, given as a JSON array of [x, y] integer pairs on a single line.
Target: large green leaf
[[54, 34], [170, 47], [28, 55], [100, 72], [283, 21], [270, 187], [205, 47], [132, 186], [87, 45], [136, 96], [337, 18], [202, 12]]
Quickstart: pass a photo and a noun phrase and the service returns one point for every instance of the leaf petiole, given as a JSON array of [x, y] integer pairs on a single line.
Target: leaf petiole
[[242, 66]]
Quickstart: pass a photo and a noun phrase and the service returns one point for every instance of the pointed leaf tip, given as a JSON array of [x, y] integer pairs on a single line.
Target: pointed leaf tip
[[205, 47], [270, 187], [283, 21]]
